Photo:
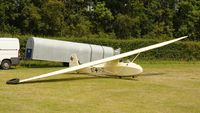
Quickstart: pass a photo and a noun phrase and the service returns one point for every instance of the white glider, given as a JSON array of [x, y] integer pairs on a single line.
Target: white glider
[[107, 66]]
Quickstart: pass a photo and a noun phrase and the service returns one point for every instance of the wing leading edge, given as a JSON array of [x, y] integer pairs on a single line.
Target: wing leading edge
[[116, 57]]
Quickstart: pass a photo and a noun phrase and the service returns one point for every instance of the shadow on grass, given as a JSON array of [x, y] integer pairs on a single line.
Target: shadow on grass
[[12, 68], [152, 74], [76, 78], [41, 66]]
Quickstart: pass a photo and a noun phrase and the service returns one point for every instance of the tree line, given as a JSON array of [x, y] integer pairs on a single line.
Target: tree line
[[121, 19]]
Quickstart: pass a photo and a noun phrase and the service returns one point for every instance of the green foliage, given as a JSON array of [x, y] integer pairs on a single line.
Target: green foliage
[[32, 20], [124, 18], [102, 18], [78, 26], [178, 51], [187, 18], [102, 12], [53, 18], [125, 26]]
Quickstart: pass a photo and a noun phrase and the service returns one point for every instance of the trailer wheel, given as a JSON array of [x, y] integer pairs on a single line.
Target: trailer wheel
[[66, 64], [5, 64]]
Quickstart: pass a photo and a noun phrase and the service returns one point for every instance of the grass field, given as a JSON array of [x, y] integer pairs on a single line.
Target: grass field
[[162, 88]]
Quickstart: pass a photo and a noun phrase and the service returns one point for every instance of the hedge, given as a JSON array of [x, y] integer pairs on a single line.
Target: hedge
[[183, 50]]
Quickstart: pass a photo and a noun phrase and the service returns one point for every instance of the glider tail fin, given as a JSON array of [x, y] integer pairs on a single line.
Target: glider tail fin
[[74, 61]]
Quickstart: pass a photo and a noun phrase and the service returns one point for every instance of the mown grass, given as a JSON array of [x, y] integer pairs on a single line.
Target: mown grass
[[163, 88]]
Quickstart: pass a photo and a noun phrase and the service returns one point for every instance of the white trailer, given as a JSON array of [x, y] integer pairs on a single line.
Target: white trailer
[[61, 51], [9, 52]]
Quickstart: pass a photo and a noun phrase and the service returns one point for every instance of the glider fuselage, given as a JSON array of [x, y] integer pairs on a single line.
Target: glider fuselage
[[119, 69]]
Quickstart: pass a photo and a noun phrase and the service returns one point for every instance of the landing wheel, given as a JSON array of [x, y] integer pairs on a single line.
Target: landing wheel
[[5, 64], [133, 76], [120, 77]]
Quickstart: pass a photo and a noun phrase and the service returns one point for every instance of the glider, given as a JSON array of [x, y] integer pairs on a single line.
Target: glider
[[106, 66]]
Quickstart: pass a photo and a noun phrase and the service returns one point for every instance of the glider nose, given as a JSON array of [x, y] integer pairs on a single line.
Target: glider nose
[[140, 69], [137, 69]]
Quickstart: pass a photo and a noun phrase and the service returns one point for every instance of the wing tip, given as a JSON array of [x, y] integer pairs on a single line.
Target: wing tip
[[184, 37], [13, 81]]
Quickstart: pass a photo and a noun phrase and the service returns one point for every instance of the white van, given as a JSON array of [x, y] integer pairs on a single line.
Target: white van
[[9, 52]]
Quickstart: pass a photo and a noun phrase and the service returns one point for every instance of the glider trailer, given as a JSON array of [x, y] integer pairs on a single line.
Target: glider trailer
[[106, 66], [60, 51]]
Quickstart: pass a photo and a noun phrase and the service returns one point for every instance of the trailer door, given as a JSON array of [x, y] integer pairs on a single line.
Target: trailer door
[[29, 53]]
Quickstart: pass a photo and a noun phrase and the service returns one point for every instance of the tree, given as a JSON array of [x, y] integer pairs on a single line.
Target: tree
[[32, 19], [102, 18], [125, 18], [52, 18], [126, 27], [81, 27], [9, 14], [185, 19]]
